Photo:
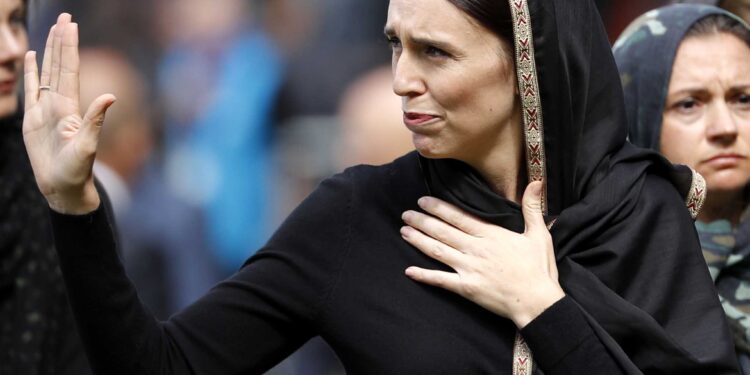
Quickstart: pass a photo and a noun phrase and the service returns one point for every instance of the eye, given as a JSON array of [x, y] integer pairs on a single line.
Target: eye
[[17, 18], [393, 42], [743, 100], [435, 52], [686, 106]]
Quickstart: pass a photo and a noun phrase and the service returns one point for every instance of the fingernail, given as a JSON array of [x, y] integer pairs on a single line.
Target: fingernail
[[404, 231], [407, 215], [422, 201], [411, 272]]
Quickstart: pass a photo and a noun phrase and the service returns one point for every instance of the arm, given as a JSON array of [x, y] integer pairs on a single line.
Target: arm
[[246, 324]]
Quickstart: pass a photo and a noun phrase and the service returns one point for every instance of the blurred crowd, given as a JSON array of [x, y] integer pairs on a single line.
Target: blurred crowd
[[229, 113]]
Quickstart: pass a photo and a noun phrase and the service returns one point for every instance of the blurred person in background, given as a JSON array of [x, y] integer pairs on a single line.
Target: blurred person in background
[[691, 102], [217, 80], [163, 245], [37, 332], [371, 122]]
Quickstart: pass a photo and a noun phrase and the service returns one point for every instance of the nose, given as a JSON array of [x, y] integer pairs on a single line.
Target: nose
[[722, 126], [12, 46], [407, 80]]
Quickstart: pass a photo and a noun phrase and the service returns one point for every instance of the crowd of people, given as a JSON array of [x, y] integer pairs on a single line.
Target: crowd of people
[[544, 192]]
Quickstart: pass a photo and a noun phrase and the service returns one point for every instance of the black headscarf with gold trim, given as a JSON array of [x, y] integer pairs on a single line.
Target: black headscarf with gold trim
[[626, 247]]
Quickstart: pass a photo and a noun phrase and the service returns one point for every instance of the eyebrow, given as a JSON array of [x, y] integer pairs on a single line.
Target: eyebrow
[[390, 31], [701, 90]]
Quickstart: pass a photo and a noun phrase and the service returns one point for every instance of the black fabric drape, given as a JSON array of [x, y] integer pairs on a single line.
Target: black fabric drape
[[626, 251], [37, 331]]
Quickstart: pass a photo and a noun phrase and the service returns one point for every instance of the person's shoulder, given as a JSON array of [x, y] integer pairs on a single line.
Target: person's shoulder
[[379, 184], [404, 170]]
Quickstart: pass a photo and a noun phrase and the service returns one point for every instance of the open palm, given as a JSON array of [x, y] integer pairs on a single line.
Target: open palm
[[61, 144]]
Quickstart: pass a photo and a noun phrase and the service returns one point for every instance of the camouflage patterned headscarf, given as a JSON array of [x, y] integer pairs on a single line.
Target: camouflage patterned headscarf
[[645, 53]]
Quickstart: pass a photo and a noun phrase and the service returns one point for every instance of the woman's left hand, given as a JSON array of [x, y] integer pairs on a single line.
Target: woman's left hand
[[513, 275]]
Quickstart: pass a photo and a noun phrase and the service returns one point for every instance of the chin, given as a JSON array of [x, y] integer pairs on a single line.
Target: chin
[[727, 184]]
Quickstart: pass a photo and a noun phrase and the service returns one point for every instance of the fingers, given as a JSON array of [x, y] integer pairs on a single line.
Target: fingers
[[433, 248], [532, 208], [441, 279], [30, 80], [47, 58], [437, 229], [452, 215], [62, 22], [92, 123], [69, 63]]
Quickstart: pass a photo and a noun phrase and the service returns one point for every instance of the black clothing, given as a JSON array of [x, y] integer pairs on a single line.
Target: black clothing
[[37, 334], [334, 269], [639, 295], [624, 253]]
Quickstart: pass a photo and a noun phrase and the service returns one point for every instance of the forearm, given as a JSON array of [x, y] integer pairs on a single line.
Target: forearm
[[112, 323]]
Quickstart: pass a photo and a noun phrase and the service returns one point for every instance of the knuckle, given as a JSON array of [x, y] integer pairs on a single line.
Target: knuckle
[[437, 251], [470, 289]]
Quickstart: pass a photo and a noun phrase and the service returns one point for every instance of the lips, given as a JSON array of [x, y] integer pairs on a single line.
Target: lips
[[728, 160], [413, 119]]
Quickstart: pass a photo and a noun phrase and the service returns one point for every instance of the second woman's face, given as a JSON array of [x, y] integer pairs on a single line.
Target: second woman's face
[[706, 121], [13, 46], [455, 78]]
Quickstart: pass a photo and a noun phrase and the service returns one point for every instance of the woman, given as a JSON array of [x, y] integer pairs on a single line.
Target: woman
[[485, 121], [37, 334], [692, 103]]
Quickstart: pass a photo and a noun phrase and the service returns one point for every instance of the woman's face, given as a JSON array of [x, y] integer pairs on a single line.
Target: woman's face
[[455, 78], [707, 112], [13, 45]]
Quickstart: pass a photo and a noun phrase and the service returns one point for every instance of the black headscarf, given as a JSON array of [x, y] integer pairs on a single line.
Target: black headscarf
[[626, 251]]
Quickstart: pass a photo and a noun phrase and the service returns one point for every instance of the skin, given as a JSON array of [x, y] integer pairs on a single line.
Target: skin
[[706, 122], [472, 94], [61, 143], [13, 45], [447, 65]]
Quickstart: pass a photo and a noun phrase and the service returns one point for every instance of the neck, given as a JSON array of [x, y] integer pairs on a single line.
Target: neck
[[726, 205], [503, 166]]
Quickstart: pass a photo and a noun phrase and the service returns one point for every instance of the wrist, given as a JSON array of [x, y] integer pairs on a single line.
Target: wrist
[[75, 201], [535, 304]]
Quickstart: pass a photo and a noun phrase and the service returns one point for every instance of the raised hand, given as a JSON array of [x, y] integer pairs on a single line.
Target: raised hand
[[513, 275], [61, 144]]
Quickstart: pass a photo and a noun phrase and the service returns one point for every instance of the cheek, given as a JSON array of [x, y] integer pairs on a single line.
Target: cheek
[[681, 144]]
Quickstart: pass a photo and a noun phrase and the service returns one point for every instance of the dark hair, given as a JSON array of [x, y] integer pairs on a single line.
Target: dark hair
[[719, 23], [492, 14]]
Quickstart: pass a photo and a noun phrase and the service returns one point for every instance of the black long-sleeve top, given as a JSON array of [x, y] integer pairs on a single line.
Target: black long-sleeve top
[[335, 268]]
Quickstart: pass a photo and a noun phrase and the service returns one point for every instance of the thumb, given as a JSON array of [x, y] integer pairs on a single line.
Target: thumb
[[532, 207], [94, 119]]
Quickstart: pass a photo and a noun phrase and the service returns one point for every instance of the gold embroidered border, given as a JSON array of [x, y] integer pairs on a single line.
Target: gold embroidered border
[[531, 108], [528, 87], [522, 360], [696, 195]]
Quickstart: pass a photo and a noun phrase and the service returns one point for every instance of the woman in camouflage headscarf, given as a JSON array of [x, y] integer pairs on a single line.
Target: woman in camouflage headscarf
[[686, 74]]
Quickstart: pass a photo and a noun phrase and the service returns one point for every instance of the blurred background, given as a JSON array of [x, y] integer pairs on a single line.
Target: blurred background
[[229, 113]]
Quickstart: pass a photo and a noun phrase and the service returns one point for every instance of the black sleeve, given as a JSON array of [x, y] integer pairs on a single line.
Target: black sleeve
[[562, 342], [245, 324]]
